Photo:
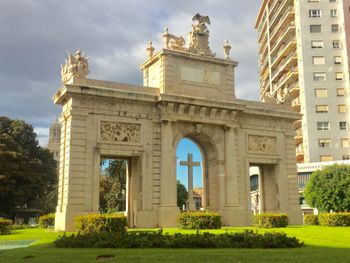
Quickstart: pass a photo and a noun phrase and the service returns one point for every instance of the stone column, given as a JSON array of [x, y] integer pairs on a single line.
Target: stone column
[[168, 206], [168, 191], [231, 189]]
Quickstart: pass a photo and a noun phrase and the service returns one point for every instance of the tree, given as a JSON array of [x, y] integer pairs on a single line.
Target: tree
[[329, 189], [182, 194], [27, 171], [112, 184]]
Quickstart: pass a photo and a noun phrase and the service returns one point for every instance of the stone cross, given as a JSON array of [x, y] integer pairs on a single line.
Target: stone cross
[[190, 164]]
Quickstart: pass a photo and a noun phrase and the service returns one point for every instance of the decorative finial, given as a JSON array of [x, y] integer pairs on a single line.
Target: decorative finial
[[227, 49], [76, 66], [150, 49]]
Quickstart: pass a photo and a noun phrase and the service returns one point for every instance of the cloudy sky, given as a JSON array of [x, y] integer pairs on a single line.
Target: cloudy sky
[[35, 36]]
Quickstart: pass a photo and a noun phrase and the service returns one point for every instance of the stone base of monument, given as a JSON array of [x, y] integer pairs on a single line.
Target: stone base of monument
[[295, 217], [167, 216], [235, 216], [64, 220], [146, 219]]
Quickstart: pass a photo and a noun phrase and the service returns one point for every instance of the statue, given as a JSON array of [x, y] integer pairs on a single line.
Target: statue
[[173, 42], [76, 66], [199, 36]]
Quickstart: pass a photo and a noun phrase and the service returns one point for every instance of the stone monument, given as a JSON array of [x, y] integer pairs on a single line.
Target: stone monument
[[188, 93]]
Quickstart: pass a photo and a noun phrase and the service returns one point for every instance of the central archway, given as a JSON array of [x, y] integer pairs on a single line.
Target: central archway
[[207, 141]]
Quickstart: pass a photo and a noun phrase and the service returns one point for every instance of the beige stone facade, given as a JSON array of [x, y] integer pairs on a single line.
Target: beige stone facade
[[187, 93]]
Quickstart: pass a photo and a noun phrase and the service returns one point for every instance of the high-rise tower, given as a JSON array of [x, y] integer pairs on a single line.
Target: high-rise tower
[[304, 61]]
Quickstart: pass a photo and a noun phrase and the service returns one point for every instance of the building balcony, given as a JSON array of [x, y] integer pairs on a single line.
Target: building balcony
[[281, 23], [298, 138], [263, 47], [286, 63], [287, 78], [262, 31], [297, 124], [294, 89], [296, 104], [299, 153], [283, 40], [285, 52], [264, 65], [276, 10]]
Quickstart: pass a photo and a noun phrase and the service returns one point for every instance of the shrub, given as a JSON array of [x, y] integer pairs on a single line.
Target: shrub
[[334, 219], [5, 226], [270, 220], [246, 239], [47, 220], [105, 223], [310, 219], [199, 220]]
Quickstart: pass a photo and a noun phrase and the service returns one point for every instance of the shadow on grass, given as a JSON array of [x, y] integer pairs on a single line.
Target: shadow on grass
[[49, 253]]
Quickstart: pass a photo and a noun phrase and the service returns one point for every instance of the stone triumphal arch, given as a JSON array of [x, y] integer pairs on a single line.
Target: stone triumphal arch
[[187, 92]]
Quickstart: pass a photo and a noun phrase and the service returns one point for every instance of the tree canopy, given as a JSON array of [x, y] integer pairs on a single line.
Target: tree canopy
[[112, 184], [329, 189], [27, 171], [182, 194]]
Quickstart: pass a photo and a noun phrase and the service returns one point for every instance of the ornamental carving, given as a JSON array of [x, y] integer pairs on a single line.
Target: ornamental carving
[[199, 36], [262, 144], [120, 132], [76, 66]]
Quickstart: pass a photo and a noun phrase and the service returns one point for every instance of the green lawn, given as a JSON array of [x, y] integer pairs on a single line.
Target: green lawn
[[323, 244]]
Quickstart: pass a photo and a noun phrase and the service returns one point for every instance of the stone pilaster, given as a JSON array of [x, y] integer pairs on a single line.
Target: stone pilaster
[[168, 208], [231, 184]]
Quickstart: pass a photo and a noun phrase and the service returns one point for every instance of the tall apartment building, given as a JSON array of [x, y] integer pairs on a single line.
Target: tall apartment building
[[304, 48]]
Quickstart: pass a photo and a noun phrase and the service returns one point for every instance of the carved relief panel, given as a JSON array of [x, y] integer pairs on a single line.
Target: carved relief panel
[[120, 132], [262, 144]]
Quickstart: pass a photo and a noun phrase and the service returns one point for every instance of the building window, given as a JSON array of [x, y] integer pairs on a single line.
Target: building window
[[340, 92], [317, 44], [344, 143], [314, 13], [321, 93], [336, 44], [319, 76], [337, 60], [341, 108], [321, 108], [326, 158], [324, 143], [318, 60], [339, 76], [315, 28], [343, 125], [323, 126], [334, 12], [346, 157], [335, 28], [332, 1]]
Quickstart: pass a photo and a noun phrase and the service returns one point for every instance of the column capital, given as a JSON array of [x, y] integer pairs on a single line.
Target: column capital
[[231, 128]]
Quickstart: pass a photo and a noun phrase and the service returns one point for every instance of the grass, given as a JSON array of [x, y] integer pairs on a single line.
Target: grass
[[322, 244]]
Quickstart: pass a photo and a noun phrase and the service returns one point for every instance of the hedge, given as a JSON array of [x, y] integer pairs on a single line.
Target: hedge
[[310, 219], [245, 239], [47, 220], [199, 220], [334, 219], [101, 223], [5, 226], [270, 220]]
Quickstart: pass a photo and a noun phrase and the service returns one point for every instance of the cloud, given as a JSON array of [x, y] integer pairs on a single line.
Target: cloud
[[35, 36]]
